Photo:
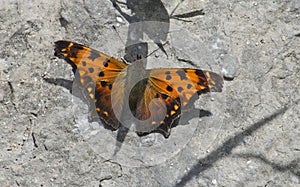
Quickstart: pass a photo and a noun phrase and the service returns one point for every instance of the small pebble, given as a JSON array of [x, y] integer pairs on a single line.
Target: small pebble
[[229, 66], [214, 182], [120, 20]]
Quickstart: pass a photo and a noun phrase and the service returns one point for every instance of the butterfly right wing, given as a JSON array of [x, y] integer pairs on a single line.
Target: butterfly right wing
[[96, 72], [177, 89]]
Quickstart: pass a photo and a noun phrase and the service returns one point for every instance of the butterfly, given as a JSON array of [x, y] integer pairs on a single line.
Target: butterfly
[[122, 93]]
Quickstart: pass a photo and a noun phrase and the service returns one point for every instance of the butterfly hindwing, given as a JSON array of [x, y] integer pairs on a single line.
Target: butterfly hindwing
[[159, 109], [97, 73]]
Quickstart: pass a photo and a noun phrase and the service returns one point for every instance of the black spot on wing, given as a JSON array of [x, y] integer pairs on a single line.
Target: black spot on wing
[[88, 79], [94, 55], [77, 46], [169, 88], [182, 74], [105, 63], [74, 50], [101, 74], [164, 96], [103, 83], [202, 82], [73, 54], [168, 77], [180, 89], [91, 70], [199, 73]]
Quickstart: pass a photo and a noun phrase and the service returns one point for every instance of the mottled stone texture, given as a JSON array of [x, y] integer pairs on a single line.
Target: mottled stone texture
[[250, 137]]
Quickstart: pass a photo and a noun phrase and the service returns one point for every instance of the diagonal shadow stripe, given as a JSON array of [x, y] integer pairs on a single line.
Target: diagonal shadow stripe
[[292, 167], [226, 148]]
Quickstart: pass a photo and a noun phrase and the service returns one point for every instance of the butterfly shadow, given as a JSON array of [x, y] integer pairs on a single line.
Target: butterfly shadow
[[71, 85], [122, 131], [226, 148], [184, 119], [60, 82]]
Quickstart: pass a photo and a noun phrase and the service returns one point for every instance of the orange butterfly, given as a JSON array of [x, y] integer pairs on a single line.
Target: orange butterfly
[[128, 94]]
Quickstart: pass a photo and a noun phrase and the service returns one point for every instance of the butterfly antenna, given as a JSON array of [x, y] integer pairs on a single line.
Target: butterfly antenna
[[115, 29], [160, 45], [176, 8]]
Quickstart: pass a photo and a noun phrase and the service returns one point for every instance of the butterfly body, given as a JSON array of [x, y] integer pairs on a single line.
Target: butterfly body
[[130, 95]]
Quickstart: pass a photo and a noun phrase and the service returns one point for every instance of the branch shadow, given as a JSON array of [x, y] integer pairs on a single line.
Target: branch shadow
[[226, 148], [76, 90], [145, 18], [292, 167], [150, 18]]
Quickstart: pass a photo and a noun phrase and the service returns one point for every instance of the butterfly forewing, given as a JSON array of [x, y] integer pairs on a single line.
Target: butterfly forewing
[[97, 73], [183, 84]]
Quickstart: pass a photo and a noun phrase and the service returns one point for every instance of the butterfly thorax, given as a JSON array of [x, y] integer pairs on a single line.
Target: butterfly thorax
[[130, 98], [135, 84]]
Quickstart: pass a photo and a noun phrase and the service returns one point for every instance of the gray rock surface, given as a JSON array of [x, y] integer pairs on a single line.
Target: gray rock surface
[[251, 138]]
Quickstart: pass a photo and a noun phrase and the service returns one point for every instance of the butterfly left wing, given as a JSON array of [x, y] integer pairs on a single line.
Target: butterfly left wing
[[177, 88], [97, 73]]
